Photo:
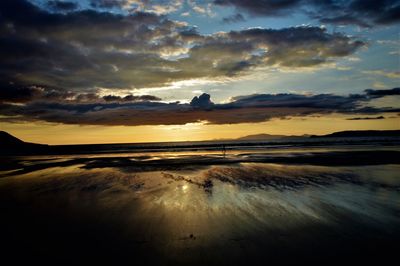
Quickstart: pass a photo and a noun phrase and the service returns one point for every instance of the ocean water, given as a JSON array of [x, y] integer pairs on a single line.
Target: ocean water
[[334, 204]]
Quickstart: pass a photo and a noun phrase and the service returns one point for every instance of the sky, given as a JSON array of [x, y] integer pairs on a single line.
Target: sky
[[118, 71]]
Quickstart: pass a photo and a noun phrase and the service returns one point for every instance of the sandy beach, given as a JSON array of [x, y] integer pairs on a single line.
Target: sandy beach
[[198, 209]]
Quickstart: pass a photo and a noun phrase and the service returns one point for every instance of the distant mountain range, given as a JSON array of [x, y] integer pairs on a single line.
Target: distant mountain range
[[270, 137], [339, 134], [10, 145], [360, 133]]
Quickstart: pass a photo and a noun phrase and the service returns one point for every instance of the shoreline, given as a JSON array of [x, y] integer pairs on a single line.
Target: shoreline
[[15, 165]]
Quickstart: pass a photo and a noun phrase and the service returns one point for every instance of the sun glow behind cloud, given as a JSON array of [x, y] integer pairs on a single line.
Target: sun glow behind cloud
[[72, 134], [123, 65]]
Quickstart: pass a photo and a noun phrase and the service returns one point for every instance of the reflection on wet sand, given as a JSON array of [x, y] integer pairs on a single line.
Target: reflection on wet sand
[[231, 213], [194, 160]]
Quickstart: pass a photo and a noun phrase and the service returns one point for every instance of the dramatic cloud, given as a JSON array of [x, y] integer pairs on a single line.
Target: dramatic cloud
[[57, 63], [367, 118], [109, 3], [264, 7], [154, 6], [364, 13], [142, 110], [130, 98], [203, 101], [62, 5], [319, 101], [380, 93], [11, 93], [234, 18], [297, 46], [18, 94], [90, 49]]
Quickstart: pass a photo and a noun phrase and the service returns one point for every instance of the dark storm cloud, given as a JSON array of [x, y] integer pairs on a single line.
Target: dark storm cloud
[[62, 5], [88, 49], [367, 118], [54, 66], [262, 7], [383, 11], [319, 101], [203, 101], [364, 13], [108, 3], [298, 46], [11, 93], [18, 94], [142, 110], [130, 98], [234, 18], [380, 93]]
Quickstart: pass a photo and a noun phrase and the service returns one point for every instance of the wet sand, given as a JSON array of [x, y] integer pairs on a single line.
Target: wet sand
[[201, 209]]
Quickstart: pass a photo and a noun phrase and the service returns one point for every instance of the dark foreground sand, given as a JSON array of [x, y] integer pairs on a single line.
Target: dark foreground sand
[[122, 210]]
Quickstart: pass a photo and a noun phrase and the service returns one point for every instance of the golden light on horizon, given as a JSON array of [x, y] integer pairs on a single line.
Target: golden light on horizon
[[193, 132], [50, 133]]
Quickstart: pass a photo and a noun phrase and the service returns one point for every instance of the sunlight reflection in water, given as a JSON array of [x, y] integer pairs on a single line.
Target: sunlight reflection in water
[[217, 206]]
